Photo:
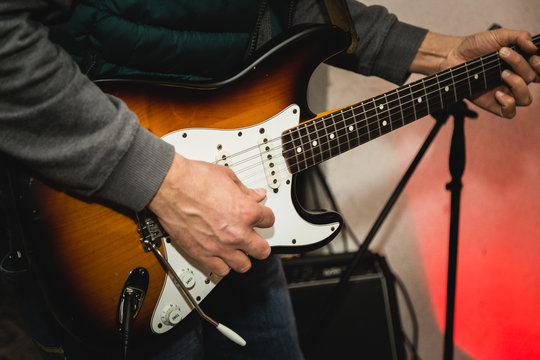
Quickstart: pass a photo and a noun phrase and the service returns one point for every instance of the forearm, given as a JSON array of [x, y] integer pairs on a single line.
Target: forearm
[[57, 122], [386, 46]]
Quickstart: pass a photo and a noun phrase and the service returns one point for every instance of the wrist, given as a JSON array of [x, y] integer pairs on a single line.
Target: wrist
[[434, 52]]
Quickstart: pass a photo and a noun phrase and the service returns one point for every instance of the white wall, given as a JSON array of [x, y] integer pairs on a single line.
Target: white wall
[[363, 179]]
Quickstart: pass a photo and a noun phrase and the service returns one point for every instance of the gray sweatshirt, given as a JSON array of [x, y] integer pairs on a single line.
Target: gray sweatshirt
[[57, 122]]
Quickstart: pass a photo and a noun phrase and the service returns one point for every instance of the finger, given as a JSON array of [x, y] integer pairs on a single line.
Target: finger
[[507, 102], [217, 266], [264, 217], [507, 37], [535, 63], [519, 65], [518, 87], [258, 247], [237, 260]]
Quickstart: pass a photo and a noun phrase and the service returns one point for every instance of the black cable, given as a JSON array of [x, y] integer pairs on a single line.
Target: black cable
[[413, 344], [126, 326]]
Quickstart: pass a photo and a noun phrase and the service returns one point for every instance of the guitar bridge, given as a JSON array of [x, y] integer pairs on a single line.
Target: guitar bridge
[[150, 230]]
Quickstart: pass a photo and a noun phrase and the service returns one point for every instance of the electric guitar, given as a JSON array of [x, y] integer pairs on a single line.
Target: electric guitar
[[257, 123]]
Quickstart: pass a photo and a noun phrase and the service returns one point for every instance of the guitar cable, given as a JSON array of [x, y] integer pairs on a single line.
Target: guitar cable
[[127, 308], [412, 344], [230, 334]]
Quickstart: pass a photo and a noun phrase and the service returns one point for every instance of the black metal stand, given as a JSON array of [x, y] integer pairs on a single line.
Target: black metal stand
[[457, 165]]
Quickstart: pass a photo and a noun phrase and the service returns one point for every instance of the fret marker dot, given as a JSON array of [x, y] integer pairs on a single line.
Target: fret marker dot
[[299, 149], [314, 143], [351, 128], [332, 136], [385, 123], [447, 89], [475, 76], [419, 99], [381, 106]]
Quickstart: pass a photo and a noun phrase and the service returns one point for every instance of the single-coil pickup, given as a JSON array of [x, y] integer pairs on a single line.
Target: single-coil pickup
[[268, 155], [223, 157]]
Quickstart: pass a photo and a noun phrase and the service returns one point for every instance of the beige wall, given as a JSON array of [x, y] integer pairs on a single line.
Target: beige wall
[[500, 185]]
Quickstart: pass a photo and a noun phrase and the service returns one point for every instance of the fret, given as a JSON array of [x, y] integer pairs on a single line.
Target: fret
[[351, 127], [381, 109], [426, 98], [477, 77], [305, 139], [433, 93], [362, 124], [311, 143], [338, 136], [439, 86], [447, 88], [468, 74], [419, 100], [395, 113], [330, 135], [461, 84], [324, 146], [343, 136], [372, 125], [407, 106], [494, 69], [298, 148], [288, 150], [314, 142]]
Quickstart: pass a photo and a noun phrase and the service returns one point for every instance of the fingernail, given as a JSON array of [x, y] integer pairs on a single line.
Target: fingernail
[[506, 73], [499, 93], [532, 44], [504, 51], [535, 61]]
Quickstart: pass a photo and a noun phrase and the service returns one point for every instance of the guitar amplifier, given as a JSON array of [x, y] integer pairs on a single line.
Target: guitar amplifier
[[361, 321]]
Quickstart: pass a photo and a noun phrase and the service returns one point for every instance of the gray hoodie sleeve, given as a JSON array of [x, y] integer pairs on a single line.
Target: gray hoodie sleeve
[[57, 122], [386, 46]]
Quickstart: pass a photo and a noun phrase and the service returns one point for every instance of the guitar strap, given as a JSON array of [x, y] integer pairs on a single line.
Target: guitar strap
[[339, 14]]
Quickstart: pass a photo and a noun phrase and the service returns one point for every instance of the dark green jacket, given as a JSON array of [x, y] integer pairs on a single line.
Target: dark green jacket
[[182, 39]]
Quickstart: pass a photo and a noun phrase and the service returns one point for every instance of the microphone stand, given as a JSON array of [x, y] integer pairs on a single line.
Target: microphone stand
[[457, 165]]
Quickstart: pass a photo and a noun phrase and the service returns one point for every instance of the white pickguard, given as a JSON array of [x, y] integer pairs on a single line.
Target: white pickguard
[[289, 229]]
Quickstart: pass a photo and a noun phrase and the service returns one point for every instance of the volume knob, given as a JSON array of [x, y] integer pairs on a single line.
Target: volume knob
[[171, 315]]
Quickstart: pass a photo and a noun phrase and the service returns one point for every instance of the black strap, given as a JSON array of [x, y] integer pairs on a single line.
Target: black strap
[[339, 14]]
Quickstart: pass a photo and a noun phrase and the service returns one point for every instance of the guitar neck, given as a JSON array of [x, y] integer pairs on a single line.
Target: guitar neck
[[315, 141]]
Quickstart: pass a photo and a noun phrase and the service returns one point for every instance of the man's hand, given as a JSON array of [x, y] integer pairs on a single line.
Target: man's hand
[[515, 91], [440, 52], [210, 214]]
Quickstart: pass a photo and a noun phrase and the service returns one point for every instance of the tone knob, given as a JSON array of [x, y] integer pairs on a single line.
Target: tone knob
[[171, 315], [188, 279]]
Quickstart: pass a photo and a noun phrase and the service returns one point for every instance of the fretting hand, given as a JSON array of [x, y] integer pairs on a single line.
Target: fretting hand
[[515, 91]]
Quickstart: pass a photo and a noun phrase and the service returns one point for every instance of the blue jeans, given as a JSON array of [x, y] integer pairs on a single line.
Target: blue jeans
[[256, 305]]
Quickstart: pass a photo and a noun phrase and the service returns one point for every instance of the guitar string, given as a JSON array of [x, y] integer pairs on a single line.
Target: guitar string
[[489, 60], [480, 61], [310, 159], [403, 107]]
